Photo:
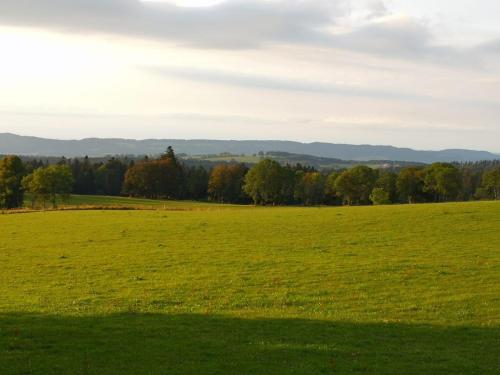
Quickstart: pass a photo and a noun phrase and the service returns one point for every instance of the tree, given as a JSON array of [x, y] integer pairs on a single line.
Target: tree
[[196, 182], [330, 192], [161, 178], [289, 176], [226, 183], [387, 182], [491, 182], [143, 179], [109, 177], [84, 176], [443, 181], [379, 196], [169, 155], [410, 184], [11, 174], [311, 188], [48, 183], [345, 187], [356, 184], [264, 182]]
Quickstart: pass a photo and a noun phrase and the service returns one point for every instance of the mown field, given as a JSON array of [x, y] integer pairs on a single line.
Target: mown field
[[390, 289]]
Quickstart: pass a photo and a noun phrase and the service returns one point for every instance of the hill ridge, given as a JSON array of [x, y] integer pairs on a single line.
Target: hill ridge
[[38, 146]]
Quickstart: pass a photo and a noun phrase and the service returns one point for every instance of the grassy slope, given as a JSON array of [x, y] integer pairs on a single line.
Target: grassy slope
[[402, 289], [103, 201], [305, 160]]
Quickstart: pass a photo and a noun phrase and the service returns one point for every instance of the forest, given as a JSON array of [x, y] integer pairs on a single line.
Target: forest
[[264, 183]]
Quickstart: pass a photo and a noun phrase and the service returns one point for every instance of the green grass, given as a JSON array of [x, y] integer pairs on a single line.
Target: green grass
[[108, 201], [292, 159], [392, 289], [232, 158]]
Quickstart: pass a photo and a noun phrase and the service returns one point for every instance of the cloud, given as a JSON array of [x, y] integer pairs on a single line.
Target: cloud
[[238, 24], [398, 37], [254, 81], [490, 47], [376, 9], [231, 24], [176, 116], [389, 123], [287, 84]]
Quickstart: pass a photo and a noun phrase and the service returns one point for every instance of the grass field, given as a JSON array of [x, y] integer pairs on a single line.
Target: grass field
[[390, 289], [107, 201], [292, 159]]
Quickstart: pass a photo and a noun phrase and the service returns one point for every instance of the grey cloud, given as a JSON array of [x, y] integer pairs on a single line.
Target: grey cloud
[[400, 38], [376, 9], [235, 24], [232, 24], [262, 82], [490, 47], [254, 81]]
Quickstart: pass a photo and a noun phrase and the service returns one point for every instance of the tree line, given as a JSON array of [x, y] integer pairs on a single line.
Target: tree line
[[265, 183]]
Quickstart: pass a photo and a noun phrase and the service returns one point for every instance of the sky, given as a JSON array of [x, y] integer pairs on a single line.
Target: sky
[[422, 74]]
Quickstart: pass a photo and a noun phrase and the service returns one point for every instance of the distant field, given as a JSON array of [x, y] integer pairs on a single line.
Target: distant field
[[292, 159], [362, 290], [100, 200], [232, 158]]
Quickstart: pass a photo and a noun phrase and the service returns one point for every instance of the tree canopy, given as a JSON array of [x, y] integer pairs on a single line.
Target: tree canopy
[[47, 183], [491, 182], [226, 183], [356, 184], [267, 182], [12, 171]]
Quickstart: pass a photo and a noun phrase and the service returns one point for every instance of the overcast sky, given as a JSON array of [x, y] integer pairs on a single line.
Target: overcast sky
[[423, 74]]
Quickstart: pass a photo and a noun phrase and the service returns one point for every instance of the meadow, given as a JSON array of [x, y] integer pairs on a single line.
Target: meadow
[[407, 289], [108, 202]]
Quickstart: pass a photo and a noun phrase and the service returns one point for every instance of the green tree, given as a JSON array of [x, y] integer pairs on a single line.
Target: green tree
[[264, 182], [289, 177], [109, 177], [355, 185], [11, 174], [48, 183], [410, 184], [380, 196], [84, 176], [491, 182], [196, 182], [311, 188], [387, 182], [443, 181], [330, 192]]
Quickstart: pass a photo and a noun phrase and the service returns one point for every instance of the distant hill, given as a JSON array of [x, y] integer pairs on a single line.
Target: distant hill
[[318, 162], [23, 145]]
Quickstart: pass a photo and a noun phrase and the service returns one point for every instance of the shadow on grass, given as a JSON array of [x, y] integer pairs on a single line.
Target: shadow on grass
[[207, 344]]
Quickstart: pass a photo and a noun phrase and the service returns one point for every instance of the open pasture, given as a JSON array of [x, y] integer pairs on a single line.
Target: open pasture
[[108, 202], [389, 289]]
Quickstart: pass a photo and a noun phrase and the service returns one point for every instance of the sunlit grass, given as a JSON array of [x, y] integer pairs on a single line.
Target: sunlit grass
[[393, 289]]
